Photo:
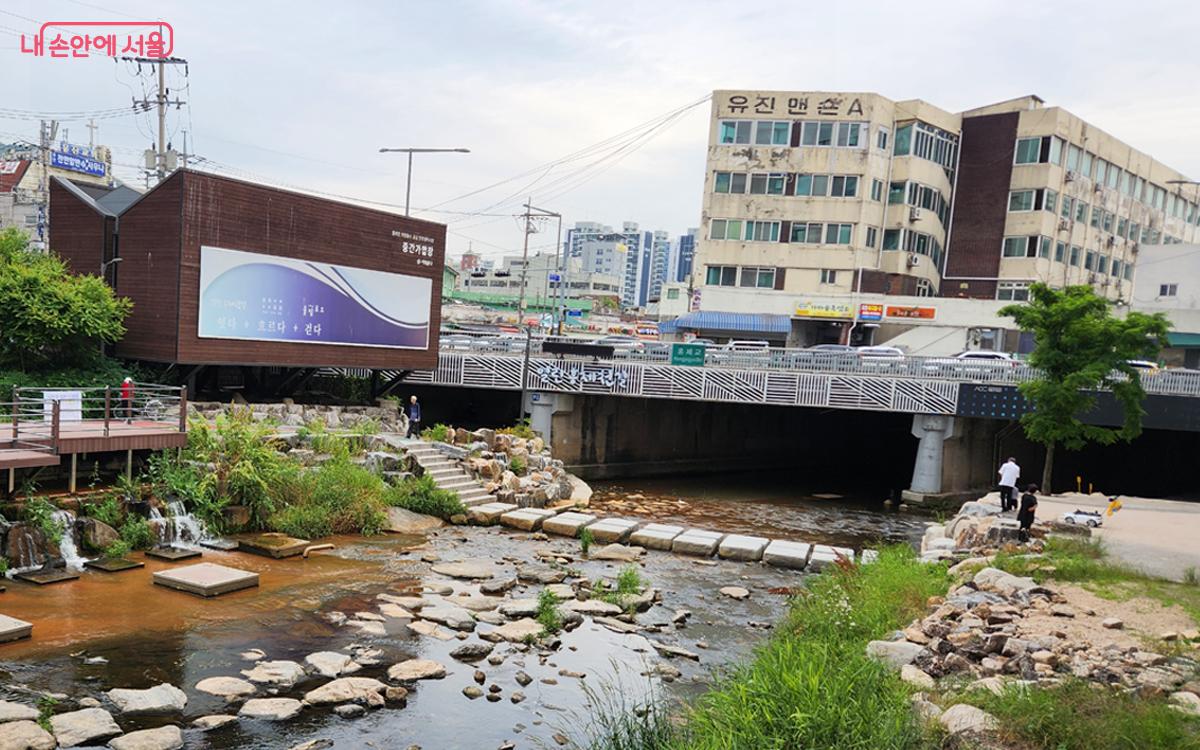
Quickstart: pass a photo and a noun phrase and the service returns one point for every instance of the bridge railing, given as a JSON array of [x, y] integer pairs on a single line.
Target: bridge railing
[[26, 428], [103, 409]]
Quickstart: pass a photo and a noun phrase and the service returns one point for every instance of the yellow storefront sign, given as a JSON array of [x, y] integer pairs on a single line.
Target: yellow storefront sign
[[822, 310]]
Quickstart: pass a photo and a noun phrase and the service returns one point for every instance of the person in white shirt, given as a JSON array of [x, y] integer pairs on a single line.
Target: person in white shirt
[[1009, 473]]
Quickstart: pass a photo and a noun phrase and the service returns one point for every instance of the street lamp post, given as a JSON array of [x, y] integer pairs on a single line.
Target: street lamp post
[[410, 152]]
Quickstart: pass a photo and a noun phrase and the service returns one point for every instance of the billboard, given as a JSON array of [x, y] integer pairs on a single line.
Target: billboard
[[77, 159], [257, 297]]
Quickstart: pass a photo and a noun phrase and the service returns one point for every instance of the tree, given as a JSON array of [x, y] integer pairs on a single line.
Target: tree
[[1080, 347], [51, 317]]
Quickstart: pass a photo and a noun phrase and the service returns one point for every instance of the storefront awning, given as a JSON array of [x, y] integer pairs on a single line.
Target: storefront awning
[[1186, 340], [760, 323]]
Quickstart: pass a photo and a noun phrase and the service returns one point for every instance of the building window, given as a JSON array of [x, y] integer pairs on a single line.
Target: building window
[[1075, 251], [1108, 221], [1068, 206], [1116, 268], [1129, 272], [721, 184], [1168, 290], [1073, 158], [872, 235], [767, 184], [844, 186], [1102, 265], [768, 133], [762, 231], [1089, 261], [1097, 216], [1015, 291], [896, 192], [1081, 211], [721, 276], [1026, 247], [820, 184], [876, 190], [1122, 227], [1021, 200], [891, 239], [1060, 251], [672, 294], [1134, 231], [881, 139], [726, 229], [761, 278], [1051, 201], [838, 234], [1039, 150], [806, 233], [1028, 150], [735, 131], [828, 276], [1085, 164], [848, 134]]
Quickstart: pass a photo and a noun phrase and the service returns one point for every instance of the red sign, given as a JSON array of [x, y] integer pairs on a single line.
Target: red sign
[[870, 312], [62, 39], [910, 313]]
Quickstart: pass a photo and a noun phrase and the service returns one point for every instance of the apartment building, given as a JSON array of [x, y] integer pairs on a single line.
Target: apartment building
[[819, 195], [602, 250]]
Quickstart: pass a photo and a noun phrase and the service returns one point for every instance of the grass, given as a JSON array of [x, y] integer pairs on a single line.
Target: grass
[[136, 533], [422, 495], [521, 429], [108, 511], [629, 584], [1081, 716], [811, 685], [518, 465], [3, 566], [117, 549], [547, 612], [340, 497], [585, 540], [46, 705], [439, 433]]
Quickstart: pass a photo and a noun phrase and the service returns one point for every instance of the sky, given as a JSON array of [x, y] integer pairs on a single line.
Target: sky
[[303, 94]]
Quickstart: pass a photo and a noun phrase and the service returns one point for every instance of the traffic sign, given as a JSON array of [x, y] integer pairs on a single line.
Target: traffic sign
[[688, 355]]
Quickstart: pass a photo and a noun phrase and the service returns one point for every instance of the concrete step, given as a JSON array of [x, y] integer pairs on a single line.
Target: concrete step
[[472, 502], [459, 485], [443, 471]]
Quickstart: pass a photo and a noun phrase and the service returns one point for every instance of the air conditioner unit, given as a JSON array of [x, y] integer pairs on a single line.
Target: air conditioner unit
[[914, 213], [1135, 248], [1098, 187], [1091, 278], [1063, 225], [1070, 176], [1112, 241], [913, 260]]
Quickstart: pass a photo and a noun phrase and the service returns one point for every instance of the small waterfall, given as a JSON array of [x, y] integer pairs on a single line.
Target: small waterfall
[[67, 547], [186, 530]]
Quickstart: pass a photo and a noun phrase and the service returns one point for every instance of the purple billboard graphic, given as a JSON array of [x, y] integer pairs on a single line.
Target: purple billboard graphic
[[260, 297]]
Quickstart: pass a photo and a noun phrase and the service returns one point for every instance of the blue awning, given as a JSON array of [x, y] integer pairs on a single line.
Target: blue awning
[[726, 321]]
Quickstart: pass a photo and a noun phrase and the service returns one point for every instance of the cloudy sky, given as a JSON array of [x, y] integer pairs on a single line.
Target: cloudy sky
[[304, 94]]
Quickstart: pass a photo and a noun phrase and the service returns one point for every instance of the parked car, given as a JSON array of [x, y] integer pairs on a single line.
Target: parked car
[[831, 348], [457, 342], [748, 345], [879, 352], [1089, 518], [623, 346], [1142, 364], [987, 356]]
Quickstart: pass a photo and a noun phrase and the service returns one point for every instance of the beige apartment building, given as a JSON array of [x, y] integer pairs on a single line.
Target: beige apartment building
[[810, 195]]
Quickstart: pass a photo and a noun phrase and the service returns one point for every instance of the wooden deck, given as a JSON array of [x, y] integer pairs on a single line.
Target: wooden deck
[[18, 458], [88, 436]]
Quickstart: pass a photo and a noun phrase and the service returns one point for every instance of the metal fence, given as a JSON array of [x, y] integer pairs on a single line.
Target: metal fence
[[102, 410], [27, 428]]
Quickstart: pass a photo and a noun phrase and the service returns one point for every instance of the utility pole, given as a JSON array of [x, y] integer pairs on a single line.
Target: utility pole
[[521, 307], [46, 136], [161, 100], [92, 128]]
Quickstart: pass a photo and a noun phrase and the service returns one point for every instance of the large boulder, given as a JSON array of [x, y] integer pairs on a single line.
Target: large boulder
[[894, 653], [965, 719], [344, 690], [84, 727], [403, 521], [161, 738], [160, 699], [10, 711], [271, 709], [97, 535], [25, 735], [229, 688]]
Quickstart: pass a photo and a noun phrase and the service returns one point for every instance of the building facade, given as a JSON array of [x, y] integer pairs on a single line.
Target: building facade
[[541, 291], [25, 173], [602, 250]]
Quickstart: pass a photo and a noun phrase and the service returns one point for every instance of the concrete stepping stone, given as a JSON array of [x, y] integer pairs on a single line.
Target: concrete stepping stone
[[113, 566], [163, 698], [489, 513], [741, 547], [271, 709], [610, 530], [222, 544], [12, 629], [697, 542], [173, 554], [206, 579], [526, 519], [567, 524], [655, 536], [273, 545], [87, 726], [785, 554], [46, 577], [824, 555], [161, 738]]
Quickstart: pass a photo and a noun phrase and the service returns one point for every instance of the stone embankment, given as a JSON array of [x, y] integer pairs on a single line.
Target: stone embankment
[[387, 415], [997, 631]]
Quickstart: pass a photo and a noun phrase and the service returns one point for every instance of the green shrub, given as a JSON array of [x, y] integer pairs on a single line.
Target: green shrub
[[137, 533], [3, 566], [366, 428], [117, 549], [422, 495], [585, 540], [521, 429], [46, 705], [237, 466], [108, 511], [303, 521], [517, 465], [547, 612], [39, 513], [340, 497], [439, 433], [629, 584]]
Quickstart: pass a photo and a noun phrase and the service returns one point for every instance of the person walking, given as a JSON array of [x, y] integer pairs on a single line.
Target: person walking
[[1027, 512], [127, 399], [414, 417], [1009, 473]]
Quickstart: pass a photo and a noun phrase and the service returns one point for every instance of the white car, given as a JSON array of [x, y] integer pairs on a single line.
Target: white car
[[1089, 518]]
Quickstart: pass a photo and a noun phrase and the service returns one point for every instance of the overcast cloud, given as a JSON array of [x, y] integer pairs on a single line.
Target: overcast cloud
[[304, 93]]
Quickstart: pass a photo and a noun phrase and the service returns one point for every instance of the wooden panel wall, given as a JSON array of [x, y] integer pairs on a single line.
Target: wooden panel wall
[[78, 233]]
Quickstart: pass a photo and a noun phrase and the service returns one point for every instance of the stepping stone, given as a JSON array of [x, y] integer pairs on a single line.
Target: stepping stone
[[697, 542], [567, 524], [271, 709], [114, 566], [84, 727], [161, 738], [785, 554], [740, 547], [611, 530], [173, 554], [470, 569], [206, 579], [224, 545], [489, 513], [868, 556], [273, 545], [12, 629], [823, 555], [655, 536], [526, 519], [47, 577]]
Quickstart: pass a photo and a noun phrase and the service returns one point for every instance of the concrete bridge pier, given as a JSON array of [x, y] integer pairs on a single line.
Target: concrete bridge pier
[[541, 406], [933, 470]]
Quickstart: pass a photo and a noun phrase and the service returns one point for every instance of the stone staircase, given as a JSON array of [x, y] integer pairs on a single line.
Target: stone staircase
[[447, 474]]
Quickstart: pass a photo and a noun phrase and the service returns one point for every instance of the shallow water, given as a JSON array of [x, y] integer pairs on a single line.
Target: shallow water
[[150, 634]]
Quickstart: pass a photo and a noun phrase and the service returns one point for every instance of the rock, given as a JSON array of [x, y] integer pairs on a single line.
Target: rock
[[962, 718], [411, 603], [617, 626], [278, 673], [431, 629], [517, 631], [1188, 703], [472, 691], [213, 721], [395, 695], [229, 688], [416, 669], [926, 710], [331, 663], [84, 727], [894, 653], [479, 570], [543, 574], [89, 702], [592, 607], [349, 710], [1062, 610], [324, 744], [25, 735], [394, 611], [916, 677], [473, 651], [496, 588], [344, 690], [159, 699], [617, 552], [10, 711], [475, 603], [1002, 582], [479, 676], [97, 535], [1112, 623], [518, 608], [254, 654], [161, 738], [673, 651], [271, 709], [1169, 636], [450, 615], [403, 521], [522, 678], [517, 696], [736, 592]]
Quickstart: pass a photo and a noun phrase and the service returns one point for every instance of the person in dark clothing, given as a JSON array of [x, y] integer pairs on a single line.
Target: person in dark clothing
[[414, 417], [1027, 511]]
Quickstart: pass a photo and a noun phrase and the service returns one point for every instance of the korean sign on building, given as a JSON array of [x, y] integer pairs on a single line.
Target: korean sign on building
[[77, 159], [810, 309], [870, 312], [805, 104], [688, 355], [906, 312]]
